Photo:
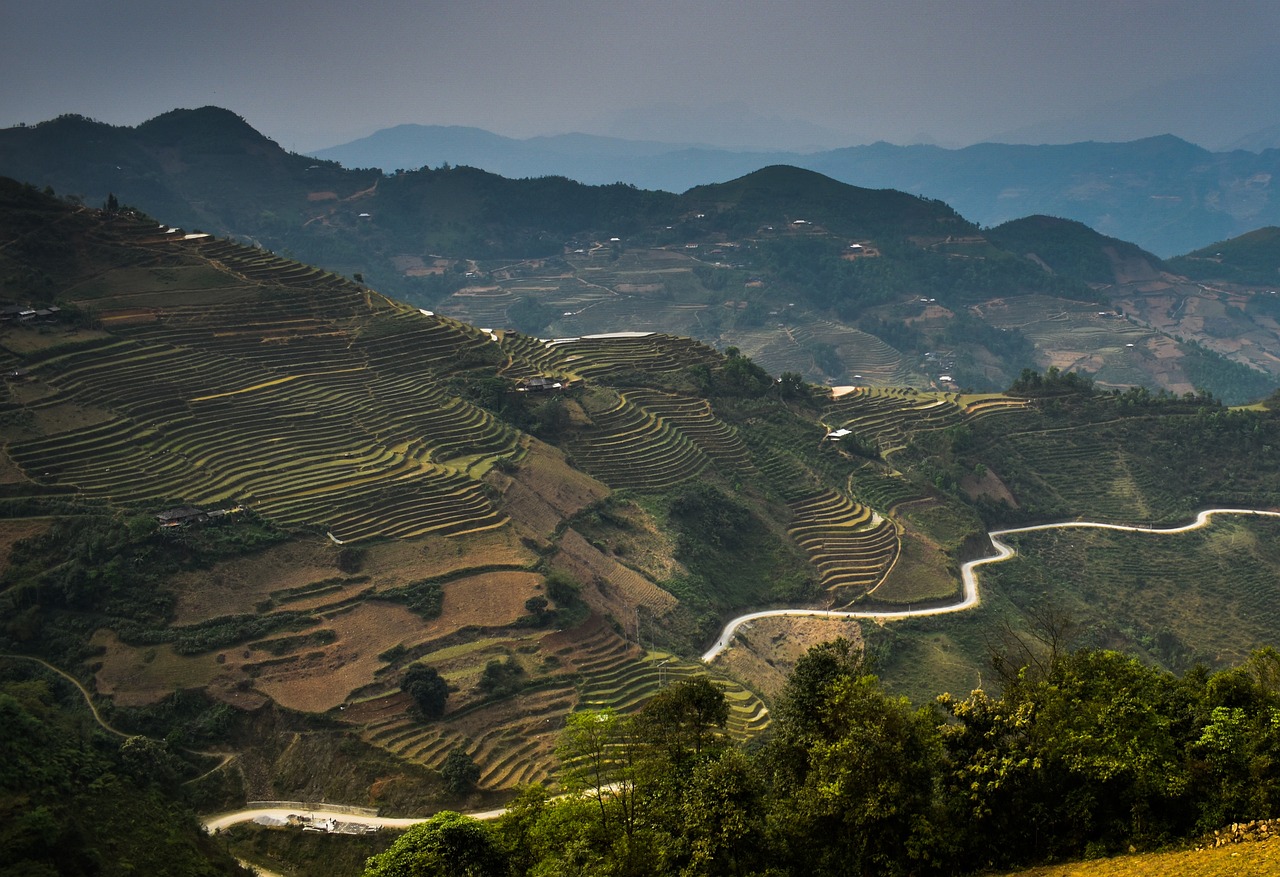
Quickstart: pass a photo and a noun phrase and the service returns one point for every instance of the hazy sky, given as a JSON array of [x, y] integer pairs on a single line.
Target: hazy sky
[[318, 73]]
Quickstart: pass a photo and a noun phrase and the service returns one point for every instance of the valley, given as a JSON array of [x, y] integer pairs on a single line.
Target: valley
[[251, 504], [841, 284]]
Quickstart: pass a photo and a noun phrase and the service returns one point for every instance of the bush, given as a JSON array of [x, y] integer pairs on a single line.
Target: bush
[[427, 688]]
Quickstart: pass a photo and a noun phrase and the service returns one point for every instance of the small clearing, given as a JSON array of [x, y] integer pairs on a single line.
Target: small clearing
[[766, 651]]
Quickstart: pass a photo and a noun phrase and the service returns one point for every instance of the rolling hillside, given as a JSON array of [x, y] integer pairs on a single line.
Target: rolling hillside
[[788, 265], [242, 496], [307, 487]]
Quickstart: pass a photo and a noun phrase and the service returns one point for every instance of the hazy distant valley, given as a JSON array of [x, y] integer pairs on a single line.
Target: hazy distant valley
[[800, 272]]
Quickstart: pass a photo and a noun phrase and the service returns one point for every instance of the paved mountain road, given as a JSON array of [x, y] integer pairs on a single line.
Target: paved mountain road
[[968, 575]]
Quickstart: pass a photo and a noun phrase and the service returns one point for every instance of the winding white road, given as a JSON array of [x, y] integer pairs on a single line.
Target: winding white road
[[968, 575], [226, 820]]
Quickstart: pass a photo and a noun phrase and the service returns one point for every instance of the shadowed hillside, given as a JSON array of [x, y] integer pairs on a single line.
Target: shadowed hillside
[[841, 284]]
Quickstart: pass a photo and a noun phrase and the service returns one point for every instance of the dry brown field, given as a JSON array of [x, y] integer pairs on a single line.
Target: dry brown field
[[1261, 859], [766, 651], [133, 676], [587, 563], [322, 678], [544, 491]]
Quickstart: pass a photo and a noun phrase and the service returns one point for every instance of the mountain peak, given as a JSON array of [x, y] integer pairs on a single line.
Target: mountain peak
[[212, 126]]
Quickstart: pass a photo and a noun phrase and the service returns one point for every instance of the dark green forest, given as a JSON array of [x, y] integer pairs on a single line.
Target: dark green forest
[[77, 800], [1084, 753]]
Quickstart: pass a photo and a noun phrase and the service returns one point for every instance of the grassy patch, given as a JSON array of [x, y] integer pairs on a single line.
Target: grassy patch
[[1231, 861]]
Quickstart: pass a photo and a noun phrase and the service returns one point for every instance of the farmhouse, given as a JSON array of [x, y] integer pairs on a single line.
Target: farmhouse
[[177, 517], [538, 385]]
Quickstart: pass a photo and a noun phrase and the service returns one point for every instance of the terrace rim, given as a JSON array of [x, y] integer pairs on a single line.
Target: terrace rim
[[968, 574]]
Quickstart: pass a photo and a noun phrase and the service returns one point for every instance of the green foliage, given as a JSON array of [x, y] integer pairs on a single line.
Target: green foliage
[[736, 376], [681, 719], [460, 771], [733, 556], [75, 801], [1083, 753], [109, 568], [424, 597], [502, 678], [186, 718], [563, 590], [446, 845], [427, 688], [1054, 382]]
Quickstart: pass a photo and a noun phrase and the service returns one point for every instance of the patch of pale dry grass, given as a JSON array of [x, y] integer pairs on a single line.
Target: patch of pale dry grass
[[766, 651], [138, 676], [1261, 859]]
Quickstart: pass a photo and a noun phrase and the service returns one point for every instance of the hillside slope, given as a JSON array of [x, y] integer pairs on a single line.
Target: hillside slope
[[842, 284], [237, 476]]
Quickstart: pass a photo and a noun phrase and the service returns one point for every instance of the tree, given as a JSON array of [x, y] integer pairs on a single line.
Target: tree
[[460, 771], [791, 386], [1081, 755], [584, 752], [446, 845], [680, 720], [427, 688], [868, 804], [722, 817]]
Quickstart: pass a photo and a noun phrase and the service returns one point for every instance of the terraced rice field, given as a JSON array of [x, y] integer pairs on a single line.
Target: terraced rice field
[[629, 447], [630, 685], [605, 355], [861, 353], [885, 417], [852, 546], [315, 410]]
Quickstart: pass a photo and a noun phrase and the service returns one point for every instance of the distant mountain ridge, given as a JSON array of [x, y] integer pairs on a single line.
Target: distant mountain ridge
[[803, 273], [1165, 194]]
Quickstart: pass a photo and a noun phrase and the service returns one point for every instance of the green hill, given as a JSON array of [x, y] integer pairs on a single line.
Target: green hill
[[1072, 248], [844, 285], [1252, 258]]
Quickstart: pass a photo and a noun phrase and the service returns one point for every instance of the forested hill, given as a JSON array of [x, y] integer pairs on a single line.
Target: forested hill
[[77, 800], [807, 197], [208, 169], [1249, 258], [840, 284], [1072, 248]]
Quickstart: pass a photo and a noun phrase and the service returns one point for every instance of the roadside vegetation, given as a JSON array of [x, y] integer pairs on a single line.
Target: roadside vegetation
[[1084, 754]]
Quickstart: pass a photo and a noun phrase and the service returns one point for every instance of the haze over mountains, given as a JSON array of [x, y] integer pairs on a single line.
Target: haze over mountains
[[1165, 194], [800, 271]]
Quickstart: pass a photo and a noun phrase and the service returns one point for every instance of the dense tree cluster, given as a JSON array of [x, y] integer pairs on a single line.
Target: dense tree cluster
[[1083, 753], [75, 800]]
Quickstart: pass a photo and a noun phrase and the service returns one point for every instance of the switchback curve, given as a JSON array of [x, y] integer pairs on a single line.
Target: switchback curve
[[968, 576]]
